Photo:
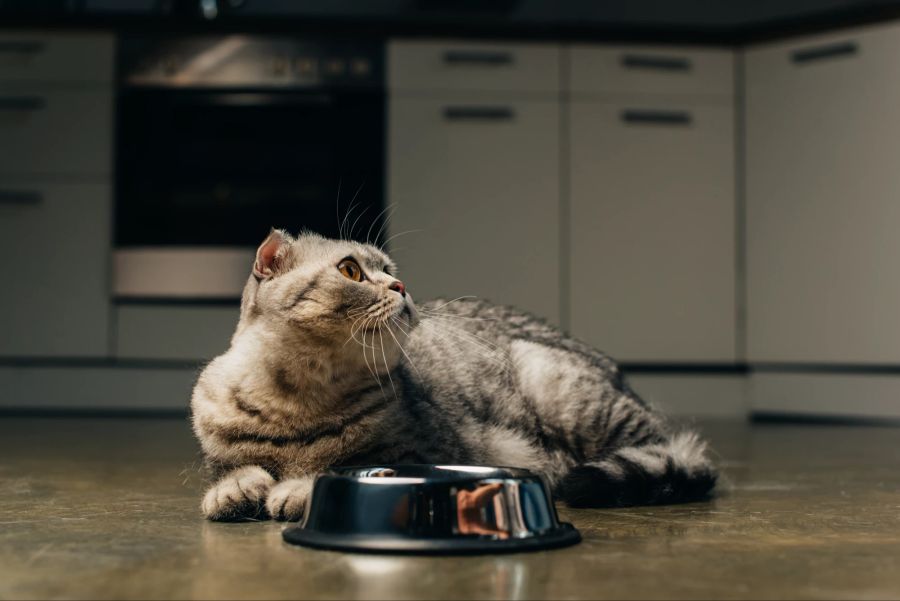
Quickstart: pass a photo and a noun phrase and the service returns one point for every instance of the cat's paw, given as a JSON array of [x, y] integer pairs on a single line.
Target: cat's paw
[[241, 494], [287, 499]]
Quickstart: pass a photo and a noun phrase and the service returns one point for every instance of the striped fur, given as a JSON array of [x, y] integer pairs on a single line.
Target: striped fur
[[323, 371]]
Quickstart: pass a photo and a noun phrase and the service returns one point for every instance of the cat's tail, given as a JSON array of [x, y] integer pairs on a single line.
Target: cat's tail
[[674, 471]]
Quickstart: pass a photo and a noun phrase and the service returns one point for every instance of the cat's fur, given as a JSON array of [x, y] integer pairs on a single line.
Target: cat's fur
[[323, 370]]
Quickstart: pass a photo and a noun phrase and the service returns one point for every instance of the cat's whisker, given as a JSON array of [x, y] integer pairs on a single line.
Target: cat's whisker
[[437, 311], [383, 226], [486, 353], [491, 345], [337, 207], [371, 369], [386, 242], [386, 366], [400, 346], [363, 212], [492, 352], [453, 300], [350, 209], [387, 212]]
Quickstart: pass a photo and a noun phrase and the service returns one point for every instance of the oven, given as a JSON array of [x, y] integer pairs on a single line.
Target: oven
[[221, 138]]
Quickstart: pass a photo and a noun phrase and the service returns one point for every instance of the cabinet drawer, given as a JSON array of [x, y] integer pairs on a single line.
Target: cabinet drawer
[[651, 70], [54, 250], [424, 66], [172, 332], [54, 131], [56, 57], [841, 62]]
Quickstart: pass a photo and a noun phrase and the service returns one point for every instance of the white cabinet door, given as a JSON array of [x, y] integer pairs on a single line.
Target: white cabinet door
[[187, 333], [652, 221], [823, 199], [52, 131], [54, 254], [476, 181]]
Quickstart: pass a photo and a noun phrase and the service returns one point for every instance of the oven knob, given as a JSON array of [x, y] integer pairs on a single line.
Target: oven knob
[[305, 66], [279, 66], [170, 65], [335, 66], [360, 67]]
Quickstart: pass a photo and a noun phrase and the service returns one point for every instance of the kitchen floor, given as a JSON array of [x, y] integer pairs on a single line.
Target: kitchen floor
[[107, 508]]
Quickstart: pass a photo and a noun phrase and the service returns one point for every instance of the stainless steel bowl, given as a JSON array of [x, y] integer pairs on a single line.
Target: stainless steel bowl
[[431, 509]]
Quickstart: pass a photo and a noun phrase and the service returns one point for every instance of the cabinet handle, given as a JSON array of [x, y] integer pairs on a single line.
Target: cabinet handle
[[478, 113], [20, 197], [656, 62], [817, 53], [22, 46], [478, 57], [22, 103], [656, 117]]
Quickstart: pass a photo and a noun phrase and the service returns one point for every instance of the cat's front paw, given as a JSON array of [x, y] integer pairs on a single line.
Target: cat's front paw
[[287, 499], [241, 494]]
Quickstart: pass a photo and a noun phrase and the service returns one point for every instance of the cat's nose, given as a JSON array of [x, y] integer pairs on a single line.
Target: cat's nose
[[399, 287]]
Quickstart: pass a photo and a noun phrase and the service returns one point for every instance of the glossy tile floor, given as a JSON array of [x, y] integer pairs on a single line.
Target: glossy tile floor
[[107, 508]]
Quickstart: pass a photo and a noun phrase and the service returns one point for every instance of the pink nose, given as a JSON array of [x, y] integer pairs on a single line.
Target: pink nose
[[398, 286]]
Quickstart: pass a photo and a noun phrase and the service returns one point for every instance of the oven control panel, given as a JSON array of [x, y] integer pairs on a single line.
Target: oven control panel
[[247, 61]]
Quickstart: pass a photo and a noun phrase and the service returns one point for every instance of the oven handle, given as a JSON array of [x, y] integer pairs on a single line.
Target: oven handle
[[20, 198], [22, 46], [238, 99], [22, 103]]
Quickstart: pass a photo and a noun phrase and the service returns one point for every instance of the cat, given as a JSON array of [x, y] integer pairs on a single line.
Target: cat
[[332, 363]]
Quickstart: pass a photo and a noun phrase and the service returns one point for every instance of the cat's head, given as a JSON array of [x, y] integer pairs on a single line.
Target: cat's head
[[329, 294]]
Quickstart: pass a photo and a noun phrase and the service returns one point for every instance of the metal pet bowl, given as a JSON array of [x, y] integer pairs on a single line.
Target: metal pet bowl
[[440, 509]]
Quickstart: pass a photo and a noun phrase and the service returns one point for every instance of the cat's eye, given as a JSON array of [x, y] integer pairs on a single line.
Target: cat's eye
[[351, 270]]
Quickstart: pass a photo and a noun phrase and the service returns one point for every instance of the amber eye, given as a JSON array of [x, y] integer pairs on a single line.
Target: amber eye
[[350, 270]]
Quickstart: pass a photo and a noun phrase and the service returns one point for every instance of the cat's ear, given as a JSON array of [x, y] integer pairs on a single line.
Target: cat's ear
[[272, 254]]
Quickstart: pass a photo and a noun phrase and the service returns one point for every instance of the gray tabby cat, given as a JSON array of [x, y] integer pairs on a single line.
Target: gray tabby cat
[[333, 364]]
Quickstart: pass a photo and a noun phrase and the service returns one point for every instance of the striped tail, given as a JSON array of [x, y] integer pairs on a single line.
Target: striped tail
[[675, 471]]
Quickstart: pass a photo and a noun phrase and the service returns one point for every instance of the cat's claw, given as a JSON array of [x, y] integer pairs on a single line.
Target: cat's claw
[[240, 495], [287, 499]]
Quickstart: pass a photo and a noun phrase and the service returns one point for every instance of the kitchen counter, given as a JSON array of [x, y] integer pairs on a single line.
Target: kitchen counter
[[683, 21], [108, 509]]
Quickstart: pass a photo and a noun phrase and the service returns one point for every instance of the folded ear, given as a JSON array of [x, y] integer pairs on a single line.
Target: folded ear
[[272, 254]]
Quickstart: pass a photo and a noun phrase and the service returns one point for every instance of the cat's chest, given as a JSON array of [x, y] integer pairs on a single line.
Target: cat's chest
[[273, 435]]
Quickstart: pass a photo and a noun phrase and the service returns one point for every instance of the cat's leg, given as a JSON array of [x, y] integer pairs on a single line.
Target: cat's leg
[[676, 470], [287, 499], [240, 494], [621, 451]]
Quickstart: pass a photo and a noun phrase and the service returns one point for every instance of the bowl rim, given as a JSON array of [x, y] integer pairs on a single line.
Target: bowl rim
[[429, 473]]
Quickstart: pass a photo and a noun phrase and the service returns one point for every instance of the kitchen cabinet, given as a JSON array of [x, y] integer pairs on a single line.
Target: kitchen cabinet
[[54, 240], [182, 333], [475, 179], [56, 114], [51, 132], [652, 249], [42, 57], [822, 199]]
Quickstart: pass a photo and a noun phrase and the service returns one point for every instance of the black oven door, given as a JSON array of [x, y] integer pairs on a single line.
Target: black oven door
[[221, 167]]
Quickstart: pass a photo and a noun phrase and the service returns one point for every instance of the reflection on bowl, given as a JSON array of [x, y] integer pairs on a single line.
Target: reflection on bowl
[[431, 509]]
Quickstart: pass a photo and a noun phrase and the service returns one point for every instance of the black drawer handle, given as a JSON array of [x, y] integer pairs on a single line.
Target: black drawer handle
[[656, 62], [478, 113], [817, 53], [21, 46], [656, 117], [22, 103], [20, 197], [478, 57]]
